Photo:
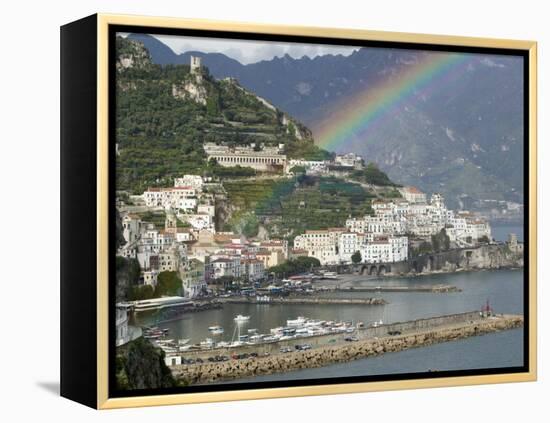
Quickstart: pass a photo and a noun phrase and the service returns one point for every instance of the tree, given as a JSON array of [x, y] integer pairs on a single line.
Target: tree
[[484, 239], [295, 266], [298, 170], [424, 248], [168, 283], [356, 257], [224, 281], [141, 292], [127, 277], [441, 241]]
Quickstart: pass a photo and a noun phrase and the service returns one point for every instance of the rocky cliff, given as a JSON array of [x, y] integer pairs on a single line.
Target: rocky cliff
[[139, 365]]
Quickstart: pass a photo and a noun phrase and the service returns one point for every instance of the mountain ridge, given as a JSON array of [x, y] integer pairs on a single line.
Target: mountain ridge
[[481, 109]]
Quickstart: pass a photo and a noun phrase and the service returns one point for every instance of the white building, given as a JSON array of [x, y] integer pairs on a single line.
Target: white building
[[226, 266], [254, 269], [192, 274], [347, 245], [150, 277], [199, 222], [184, 234], [412, 194], [264, 158], [319, 244], [194, 181], [313, 167], [208, 209], [131, 227], [172, 360], [174, 197], [385, 250], [122, 335], [349, 160]]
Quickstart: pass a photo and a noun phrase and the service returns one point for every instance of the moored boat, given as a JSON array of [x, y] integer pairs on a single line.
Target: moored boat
[[241, 318], [299, 321]]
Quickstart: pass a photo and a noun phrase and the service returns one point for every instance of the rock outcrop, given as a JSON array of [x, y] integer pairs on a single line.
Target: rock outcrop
[[140, 365], [192, 88], [131, 54]]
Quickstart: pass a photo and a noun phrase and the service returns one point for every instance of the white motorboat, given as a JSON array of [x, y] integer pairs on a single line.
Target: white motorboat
[[217, 331], [207, 343], [300, 321], [240, 318], [378, 323]]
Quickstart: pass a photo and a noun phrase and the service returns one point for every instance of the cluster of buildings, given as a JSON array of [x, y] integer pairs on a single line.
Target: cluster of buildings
[[190, 245], [384, 236], [195, 206], [266, 158], [338, 245], [188, 242]]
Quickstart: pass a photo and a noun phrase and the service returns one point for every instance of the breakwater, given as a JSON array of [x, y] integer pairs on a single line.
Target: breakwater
[[304, 301], [372, 342], [418, 288]]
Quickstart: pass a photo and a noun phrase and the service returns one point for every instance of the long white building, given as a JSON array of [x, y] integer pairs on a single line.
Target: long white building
[[262, 158]]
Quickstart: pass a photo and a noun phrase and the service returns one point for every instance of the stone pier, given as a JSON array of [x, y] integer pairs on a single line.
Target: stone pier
[[374, 341]]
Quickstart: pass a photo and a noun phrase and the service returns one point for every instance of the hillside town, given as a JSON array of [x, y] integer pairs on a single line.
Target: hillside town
[[189, 243]]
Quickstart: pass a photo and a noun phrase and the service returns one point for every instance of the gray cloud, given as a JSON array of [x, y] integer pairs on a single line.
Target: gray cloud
[[246, 51]]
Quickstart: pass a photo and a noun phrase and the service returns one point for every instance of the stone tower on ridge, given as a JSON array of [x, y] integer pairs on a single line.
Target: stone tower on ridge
[[195, 64]]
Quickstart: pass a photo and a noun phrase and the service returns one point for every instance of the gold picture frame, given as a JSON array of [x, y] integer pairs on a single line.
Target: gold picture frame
[[102, 213]]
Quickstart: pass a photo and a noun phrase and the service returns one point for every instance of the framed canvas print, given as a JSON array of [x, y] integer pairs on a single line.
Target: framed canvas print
[[254, 211]]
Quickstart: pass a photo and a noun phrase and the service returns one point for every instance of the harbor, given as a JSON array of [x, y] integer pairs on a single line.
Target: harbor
[[503, 288], [224, 365]]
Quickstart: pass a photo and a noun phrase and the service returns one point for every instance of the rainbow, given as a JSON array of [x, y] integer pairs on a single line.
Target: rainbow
[[356, 116]]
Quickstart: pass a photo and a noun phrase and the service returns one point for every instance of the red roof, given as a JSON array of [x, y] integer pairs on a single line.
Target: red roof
[[413, 190]]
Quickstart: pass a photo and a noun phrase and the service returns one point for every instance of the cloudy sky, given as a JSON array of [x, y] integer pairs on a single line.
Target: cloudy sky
[[250, 51]]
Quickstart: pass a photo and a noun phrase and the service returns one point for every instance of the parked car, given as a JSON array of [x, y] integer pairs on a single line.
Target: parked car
[[302, 347]]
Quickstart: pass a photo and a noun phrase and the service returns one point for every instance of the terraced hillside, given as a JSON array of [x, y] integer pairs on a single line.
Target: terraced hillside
[[166, 113]]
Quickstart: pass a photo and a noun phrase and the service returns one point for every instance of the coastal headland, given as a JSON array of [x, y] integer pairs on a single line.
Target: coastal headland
[[369, 342]]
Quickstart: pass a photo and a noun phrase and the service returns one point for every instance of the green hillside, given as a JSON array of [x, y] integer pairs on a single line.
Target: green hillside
[[164, 115], [288, 207]]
